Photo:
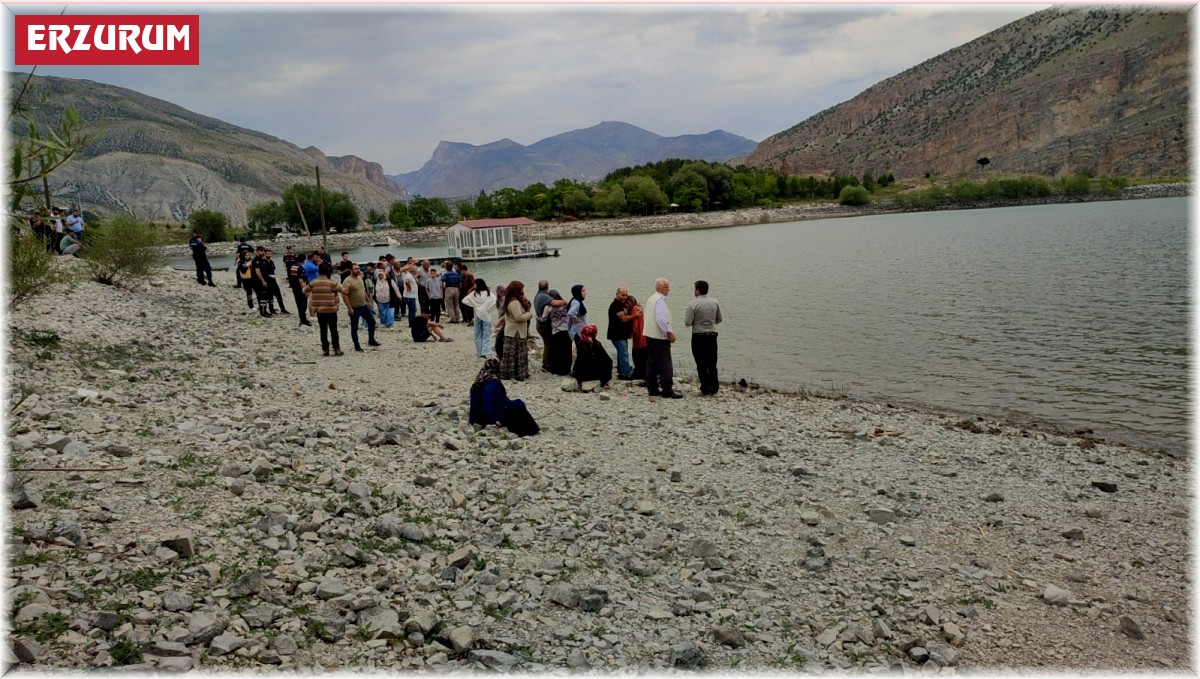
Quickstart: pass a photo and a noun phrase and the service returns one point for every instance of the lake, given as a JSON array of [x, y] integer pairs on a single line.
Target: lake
[[1073, 314]]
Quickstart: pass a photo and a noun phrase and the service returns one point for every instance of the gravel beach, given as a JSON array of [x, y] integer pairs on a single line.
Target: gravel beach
[[230, 499]]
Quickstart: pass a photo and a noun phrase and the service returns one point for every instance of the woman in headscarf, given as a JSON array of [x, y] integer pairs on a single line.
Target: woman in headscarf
[[559, 360], [592, 362], [490, 403], [576, 311], [514, 361], [385, 292]]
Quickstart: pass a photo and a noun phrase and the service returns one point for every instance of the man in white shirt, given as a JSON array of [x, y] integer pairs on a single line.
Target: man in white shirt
[[409, 293], [660, 373]]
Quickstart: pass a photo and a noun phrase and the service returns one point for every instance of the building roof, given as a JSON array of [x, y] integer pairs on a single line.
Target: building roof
[[492, 223]]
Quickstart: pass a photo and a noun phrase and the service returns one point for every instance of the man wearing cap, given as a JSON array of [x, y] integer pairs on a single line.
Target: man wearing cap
[[702, 316], [660, 373]]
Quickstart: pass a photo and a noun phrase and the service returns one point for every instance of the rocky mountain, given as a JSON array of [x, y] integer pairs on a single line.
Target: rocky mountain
[[458, 169], [161, 161], [1059, 92]]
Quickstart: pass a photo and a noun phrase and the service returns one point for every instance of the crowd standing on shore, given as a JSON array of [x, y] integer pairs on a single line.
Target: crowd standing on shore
[[378, 293]]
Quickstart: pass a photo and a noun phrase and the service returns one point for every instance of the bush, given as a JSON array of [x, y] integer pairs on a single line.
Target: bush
[[854, 195], [32, 271], [123, 250], [1078, 185]]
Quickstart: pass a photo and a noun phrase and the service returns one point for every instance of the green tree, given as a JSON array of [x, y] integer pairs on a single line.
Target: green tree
[[260, 218], [398, 216], [375, 217], [983, 162], [688, 187], [577, 202], [429, 211], [643, 195], [212, 225], [466, 209], [485, 207], [610, 200], [340, 213], [123, 249]]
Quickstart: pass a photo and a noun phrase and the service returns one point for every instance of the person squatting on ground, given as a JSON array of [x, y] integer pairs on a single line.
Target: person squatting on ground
[[490, 404], [591, 361], [482, 304], [323, 296], [660, 373], [514, 361], [423, 328], [200, 257], [702, 316]]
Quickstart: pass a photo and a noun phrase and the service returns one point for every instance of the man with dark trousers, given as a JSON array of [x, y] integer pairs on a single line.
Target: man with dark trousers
[[660, 373], [200, 256], [296, 282], [272, 280], [357, 305], [702, 316]]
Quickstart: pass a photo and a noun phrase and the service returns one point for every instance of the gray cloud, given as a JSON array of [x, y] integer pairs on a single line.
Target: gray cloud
[[387, 83]]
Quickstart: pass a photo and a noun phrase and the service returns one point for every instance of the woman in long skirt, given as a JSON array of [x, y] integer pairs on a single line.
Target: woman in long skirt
[[514, 362]]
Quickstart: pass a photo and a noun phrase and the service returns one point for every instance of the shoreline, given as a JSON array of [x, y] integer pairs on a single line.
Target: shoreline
[[687, 221], [243, 502]]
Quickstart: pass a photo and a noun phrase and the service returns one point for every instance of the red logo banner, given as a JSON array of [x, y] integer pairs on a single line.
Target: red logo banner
[[107, 40]]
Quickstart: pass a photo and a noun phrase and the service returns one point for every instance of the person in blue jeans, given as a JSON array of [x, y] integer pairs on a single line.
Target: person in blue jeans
[[483, 303], [620, 329]]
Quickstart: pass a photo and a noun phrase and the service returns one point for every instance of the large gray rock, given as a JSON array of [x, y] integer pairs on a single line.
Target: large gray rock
[[687, 655], [495, 659], [462, 639], [1056, 596], [1131, 627]]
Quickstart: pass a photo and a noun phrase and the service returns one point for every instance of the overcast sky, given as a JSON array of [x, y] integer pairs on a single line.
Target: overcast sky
[[386, 83]]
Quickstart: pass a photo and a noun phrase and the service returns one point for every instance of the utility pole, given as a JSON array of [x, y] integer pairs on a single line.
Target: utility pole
[[321, 206]]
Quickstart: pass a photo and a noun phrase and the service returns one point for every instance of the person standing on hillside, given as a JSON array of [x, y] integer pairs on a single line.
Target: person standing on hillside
[[660, 372], [620, 329], [702, 316], [200, 257]]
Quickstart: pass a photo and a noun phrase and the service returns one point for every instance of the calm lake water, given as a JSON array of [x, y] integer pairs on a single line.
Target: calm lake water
[[1072, 314]]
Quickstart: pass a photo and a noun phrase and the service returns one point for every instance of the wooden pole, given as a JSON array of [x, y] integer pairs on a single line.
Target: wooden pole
[[321, 207], [303, 221]]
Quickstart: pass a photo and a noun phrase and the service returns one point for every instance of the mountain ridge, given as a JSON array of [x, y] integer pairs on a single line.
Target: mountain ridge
[[458, 169]]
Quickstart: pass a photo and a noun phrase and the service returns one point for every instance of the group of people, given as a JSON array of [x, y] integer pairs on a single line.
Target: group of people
[[641, 336], [62, 232], [643, 349]]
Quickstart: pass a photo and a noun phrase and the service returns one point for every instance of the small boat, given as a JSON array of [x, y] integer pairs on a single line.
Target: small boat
[[390, 242]]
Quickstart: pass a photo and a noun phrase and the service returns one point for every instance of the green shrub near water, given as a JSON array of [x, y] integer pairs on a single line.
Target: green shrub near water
[[123, 250], [854, 195]]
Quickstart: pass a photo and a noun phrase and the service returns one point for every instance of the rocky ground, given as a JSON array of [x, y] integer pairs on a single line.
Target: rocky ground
[[225, 497], [668, 222]]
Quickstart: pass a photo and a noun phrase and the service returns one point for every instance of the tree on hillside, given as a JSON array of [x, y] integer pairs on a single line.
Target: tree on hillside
[[212, 225], [983, 162], [375, 217]]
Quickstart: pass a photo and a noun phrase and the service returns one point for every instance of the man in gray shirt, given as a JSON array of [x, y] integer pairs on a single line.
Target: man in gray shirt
[[702, 316]]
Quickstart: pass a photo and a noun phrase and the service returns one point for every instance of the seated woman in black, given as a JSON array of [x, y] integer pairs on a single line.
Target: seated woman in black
[[591, 361], [490, 403]]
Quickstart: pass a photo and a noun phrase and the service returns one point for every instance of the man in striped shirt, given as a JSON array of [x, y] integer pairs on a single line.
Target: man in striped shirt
[[323, 296]]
